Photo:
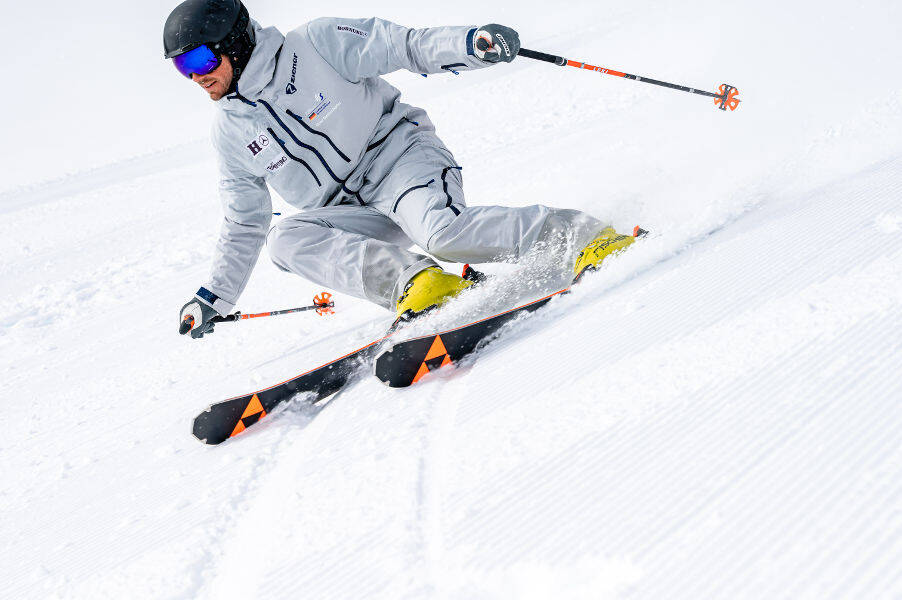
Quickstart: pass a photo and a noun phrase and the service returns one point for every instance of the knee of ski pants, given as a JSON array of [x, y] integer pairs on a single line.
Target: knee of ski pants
[[492, 233], [464, 237], [282, 239], [442, 245]]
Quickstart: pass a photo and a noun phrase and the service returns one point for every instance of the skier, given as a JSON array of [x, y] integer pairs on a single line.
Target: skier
[[308, 114]]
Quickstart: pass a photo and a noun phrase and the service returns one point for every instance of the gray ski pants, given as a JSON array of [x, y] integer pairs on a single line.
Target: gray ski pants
[[364, 251]]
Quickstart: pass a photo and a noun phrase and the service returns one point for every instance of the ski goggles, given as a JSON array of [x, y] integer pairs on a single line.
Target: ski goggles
[[200, 60]]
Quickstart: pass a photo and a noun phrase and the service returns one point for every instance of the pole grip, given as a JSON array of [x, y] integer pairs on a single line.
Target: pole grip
[[227, 318], [558, 60], [186, 325]]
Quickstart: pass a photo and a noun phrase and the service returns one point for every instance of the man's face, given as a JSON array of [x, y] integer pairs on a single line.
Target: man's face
[[216, 83]]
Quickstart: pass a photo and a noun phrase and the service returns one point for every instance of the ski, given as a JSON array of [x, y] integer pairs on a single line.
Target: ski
[[228, 418], [406, 362]]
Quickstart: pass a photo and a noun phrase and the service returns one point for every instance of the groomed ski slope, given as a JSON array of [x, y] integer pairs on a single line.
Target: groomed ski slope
[[717, 413]]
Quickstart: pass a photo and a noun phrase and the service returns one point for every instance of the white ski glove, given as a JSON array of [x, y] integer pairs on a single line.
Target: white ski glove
[[496, 43], [195, 317]]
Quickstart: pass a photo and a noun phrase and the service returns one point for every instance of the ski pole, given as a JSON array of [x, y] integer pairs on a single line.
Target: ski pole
[[322, 304], [726, 98]]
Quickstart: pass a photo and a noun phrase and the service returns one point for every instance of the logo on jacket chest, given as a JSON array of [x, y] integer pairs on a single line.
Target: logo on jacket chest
[[275, 165], [291, 88], [257, 146], [322, 108], [260, 149]]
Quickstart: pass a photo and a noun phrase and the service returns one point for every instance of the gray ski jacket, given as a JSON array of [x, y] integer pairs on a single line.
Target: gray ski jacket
[[312, 118]]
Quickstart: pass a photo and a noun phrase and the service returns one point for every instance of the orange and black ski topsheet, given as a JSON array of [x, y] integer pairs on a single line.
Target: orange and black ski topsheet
[[406, 362], [230, 417]]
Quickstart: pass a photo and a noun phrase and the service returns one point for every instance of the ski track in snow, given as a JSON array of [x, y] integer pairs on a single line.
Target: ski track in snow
[[716, 413]]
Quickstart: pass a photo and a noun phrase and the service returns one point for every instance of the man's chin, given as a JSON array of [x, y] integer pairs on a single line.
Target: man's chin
[[216, 95]]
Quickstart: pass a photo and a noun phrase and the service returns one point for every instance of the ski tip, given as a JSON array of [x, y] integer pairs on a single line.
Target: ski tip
[[194, 425], [200, 436], [639, 232], [379, 363], [208, 440], [374, 368], [201, 430]]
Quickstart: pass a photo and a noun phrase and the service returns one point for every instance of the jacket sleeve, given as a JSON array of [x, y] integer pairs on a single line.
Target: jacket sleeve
[[361, 48], [247, 212]]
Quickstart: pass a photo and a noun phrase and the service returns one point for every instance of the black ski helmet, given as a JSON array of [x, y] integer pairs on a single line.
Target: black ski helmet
[[224, 25]]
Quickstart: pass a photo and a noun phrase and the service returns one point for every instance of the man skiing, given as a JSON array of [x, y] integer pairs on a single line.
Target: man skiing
[[309, 115]]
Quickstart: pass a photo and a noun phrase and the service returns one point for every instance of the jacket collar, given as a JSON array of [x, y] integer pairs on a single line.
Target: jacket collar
[[260, 69]]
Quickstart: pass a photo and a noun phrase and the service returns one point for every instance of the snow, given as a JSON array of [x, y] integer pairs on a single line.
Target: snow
[[714, 414]]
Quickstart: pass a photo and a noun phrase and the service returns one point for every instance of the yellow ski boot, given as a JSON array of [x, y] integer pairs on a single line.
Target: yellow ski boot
[[607, 242], [428, 289]]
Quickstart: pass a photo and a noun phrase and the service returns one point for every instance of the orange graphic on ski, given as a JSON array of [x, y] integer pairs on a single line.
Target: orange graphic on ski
[[253, 413], [436, 358]]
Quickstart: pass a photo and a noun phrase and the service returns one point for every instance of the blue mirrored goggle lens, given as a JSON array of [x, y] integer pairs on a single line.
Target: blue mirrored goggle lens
[[200, 60]]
